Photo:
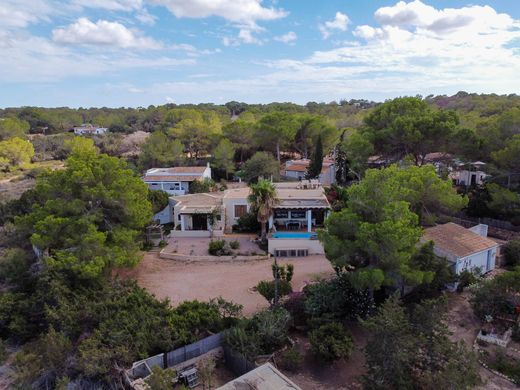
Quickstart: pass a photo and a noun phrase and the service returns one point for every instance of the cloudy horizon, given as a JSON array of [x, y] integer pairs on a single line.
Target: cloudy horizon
[[133, 53]]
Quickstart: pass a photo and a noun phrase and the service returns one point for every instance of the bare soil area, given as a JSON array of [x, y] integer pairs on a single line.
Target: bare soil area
[[233, 281], [199, 246]]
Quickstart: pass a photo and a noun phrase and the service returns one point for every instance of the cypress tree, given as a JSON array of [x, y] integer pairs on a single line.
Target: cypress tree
[[316, 163]]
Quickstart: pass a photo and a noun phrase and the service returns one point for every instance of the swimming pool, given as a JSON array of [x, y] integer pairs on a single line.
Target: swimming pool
[[304, 235]]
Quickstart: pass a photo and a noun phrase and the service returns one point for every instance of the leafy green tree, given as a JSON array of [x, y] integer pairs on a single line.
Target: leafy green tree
[[357, 149], [241, 134], [275, 131], [160, 151], [316, 163], [408, 125], [201, 186], [13, 127], [90, 215], [158, 199], [511, 252], [508, 157], [263, 199], [331, 342], [261, 165], [308, 129], [161, 379], [224, 154], [503, 202], [15, 153]]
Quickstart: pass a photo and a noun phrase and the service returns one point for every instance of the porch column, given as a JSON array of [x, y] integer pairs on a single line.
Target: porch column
[[309, 220], [271, 221], [182, 222]]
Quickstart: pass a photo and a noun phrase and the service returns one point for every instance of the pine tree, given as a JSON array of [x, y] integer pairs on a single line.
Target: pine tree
[[316, 163]]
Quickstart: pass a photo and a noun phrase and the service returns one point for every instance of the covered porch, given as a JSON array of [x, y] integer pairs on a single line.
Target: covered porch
[[297, 218], [199, 222]]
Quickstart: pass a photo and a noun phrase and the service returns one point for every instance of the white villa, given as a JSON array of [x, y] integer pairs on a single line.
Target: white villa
[[302, 207], [466, 249], [297, 169], [176, 180], [88, 129], [469, 174]]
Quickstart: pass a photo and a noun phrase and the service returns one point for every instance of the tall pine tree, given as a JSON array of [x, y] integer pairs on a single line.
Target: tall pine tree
[[314, 170]]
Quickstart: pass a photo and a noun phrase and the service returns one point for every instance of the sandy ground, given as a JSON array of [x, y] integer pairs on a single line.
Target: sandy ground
[[199, 246], [233, 281], [465, 326]]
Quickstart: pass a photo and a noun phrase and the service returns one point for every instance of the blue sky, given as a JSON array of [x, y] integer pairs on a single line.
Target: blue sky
[[139, 52]]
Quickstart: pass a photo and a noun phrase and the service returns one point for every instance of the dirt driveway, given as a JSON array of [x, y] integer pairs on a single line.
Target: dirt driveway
[[233, 281]]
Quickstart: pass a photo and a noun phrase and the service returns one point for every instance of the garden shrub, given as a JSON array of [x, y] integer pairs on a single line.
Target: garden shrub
[[235, 244], [266, 288], [247, 223], [331, 342], [161, 379], [511, 253], [467, 278], [291, 359], [162, 244], [218, 248]]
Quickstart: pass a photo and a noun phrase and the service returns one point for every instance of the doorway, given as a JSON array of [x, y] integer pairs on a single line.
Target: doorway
[[200, 221]]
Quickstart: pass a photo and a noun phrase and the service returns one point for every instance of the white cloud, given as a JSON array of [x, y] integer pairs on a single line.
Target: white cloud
[[339, 23], [21, 13], [146, 18], [111, 5], [243, 11], [103, 33], [287, 38]]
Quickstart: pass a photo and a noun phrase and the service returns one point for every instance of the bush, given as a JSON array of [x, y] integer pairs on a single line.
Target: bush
[[512, 253], [247, 223], [162, 244], [266, 288], [161, 379], [291, 359], [295, 305], [198, 186], [467, 278], [331, 342], [218, 248], [235, 244]]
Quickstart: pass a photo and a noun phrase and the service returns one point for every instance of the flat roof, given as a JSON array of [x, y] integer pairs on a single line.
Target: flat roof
[[457, 240], [265, 377], [150, 178]]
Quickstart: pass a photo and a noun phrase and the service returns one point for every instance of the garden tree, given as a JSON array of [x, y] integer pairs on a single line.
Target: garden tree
[[206, 369], [224, 154], [15, 153], [508, 159], [409, 125], [357, 149], [503, 202], [426, 193], [241, 134], [414, 351], [263, 199], [13, 127], [161, 379], [200, 186], [316, 163], [90, 214], [466, 143], [158, 199], [272, 290], [497, 296], [331, 342], [261, 165], [160, 151], [308, 129], [511, 252], [341, 161], [275, 131]]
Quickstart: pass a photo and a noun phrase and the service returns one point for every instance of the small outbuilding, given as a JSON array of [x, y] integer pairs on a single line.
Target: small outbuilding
[[466, 249], [265, 377]]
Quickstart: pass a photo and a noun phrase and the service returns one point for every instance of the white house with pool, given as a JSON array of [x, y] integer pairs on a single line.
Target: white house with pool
[[302, 208]]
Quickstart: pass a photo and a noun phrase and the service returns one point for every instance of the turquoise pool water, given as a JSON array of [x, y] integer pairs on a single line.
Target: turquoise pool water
[[293, 235]]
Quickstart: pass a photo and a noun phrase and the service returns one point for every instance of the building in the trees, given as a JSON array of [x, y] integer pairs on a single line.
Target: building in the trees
[[466, 249], [469, 174], [89, 129], [297, 169], [302, 207], [176, 180]]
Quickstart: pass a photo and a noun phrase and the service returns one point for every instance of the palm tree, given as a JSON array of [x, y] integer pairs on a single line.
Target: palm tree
[[263, 198]]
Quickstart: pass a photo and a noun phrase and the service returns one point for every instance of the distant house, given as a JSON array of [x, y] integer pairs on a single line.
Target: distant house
[[265, 377], [469, 174], [176, 180], [466, 249], [297, 169], [88, 129]]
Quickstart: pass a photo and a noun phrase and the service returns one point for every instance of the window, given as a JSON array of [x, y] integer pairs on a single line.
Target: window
[[298, 214], [281, 213], [240, 210], [291, 252]]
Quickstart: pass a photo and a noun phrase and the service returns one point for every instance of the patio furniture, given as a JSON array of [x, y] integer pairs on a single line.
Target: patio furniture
[[293, 225]]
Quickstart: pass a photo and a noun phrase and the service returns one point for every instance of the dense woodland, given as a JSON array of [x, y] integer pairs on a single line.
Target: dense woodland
[[75, 325]]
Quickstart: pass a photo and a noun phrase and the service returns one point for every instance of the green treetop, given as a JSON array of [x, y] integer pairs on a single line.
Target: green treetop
[[316, 163]]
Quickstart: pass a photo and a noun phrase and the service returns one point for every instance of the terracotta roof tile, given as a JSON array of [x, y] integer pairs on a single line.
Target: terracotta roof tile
[[457, 240]]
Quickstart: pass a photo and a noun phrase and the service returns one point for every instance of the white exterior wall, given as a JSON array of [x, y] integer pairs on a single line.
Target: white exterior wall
[[464, 177], [478, 260], [167, 185], [164, 216], [229, 210], [313, 246]]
